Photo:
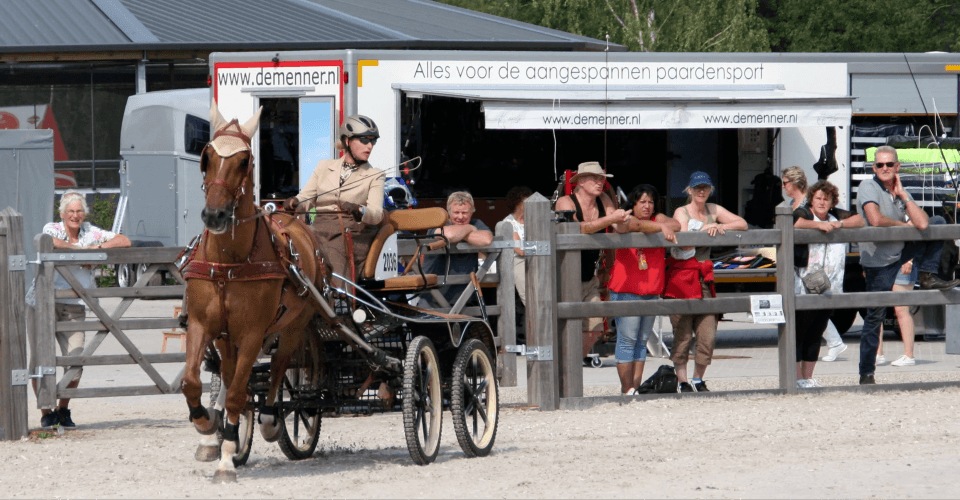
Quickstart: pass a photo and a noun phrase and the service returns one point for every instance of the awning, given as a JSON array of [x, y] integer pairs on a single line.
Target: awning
[[676, 107]]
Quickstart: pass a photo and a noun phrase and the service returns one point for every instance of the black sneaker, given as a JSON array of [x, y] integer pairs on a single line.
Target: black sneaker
[[867, 380], [49, 420], [65, 421], [685, 387], [701, 386]]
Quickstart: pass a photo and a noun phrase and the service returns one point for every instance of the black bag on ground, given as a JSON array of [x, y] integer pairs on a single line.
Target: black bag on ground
[[663, 381]]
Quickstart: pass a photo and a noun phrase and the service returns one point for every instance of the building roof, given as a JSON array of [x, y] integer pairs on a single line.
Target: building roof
[[91, 26]]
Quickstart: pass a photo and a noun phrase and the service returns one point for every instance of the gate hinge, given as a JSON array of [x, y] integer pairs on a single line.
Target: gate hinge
[[536, 248], [20, 377], [17, 262], [533, 353]]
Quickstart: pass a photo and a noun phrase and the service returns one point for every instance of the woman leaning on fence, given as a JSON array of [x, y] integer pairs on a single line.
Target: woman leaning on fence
[[638, 274], [690, 276], [72, 233], [820, 213]]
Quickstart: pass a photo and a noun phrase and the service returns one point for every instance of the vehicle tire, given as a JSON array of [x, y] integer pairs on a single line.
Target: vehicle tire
[[474, 399], [155, 280], [126, 275], [298, 404], [422, 401]]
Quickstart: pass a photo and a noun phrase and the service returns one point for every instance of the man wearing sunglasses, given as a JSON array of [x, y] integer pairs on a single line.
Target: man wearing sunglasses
[[347, 194], [883, 202]]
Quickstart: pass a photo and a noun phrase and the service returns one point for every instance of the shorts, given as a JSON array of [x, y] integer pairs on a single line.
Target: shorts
[[591, 293], [907, 279]]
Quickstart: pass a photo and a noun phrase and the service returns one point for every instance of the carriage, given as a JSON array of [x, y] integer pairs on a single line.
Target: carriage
[[317, 343]]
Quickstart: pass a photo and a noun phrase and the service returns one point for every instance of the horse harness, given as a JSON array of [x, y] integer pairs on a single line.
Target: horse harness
[[264, 262]]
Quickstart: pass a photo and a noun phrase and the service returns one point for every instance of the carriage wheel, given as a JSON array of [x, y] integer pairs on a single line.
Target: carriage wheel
[[297, 403], [245, 432], [475, 399], [422, 401], [126, 276]]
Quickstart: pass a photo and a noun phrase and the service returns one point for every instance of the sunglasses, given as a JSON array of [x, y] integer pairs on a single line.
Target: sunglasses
[[889, 164], [367, 140]]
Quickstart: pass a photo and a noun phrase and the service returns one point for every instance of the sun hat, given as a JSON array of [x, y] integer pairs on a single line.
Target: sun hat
[[589, 168], [699, 178]]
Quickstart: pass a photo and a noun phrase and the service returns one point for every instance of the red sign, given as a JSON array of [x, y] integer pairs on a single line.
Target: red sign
[[8, 121]]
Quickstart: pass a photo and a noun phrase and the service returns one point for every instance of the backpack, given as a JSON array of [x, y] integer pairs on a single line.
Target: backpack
[[663, 381]]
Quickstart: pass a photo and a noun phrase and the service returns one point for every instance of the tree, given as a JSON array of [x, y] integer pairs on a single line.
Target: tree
[[643, 25], [863, 25]]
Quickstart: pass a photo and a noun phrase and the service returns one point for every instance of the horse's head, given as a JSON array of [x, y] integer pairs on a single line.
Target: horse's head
[[227, 167]]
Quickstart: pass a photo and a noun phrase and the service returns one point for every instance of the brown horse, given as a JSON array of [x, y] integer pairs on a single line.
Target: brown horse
[[240, 295]]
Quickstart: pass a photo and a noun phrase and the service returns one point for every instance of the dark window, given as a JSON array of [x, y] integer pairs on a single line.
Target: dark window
[[196, 133]]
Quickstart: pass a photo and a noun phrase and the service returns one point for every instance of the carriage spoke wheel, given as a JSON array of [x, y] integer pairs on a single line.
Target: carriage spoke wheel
[[474, 399], [422, 401], [297, 403]]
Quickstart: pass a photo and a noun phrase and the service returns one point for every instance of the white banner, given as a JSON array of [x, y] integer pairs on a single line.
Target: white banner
[[785, 113]]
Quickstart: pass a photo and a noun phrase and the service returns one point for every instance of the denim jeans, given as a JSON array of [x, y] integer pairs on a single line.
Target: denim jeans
[[926, 258], [632, 331]]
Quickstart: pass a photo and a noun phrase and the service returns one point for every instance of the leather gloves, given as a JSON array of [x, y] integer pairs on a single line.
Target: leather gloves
[[291, 203], [353, 209]]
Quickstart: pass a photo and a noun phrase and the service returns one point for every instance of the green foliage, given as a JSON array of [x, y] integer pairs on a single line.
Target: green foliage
[[864, 26], [745, 25], [102, 211]]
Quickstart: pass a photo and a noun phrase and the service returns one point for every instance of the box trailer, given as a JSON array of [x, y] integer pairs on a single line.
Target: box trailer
[[161, 138]]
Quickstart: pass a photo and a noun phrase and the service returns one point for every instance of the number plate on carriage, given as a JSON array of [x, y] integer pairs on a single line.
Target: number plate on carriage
[[388, 263]]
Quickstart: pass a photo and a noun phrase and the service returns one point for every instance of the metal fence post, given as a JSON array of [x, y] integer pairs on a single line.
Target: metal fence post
[[543, 389], [787, 342]]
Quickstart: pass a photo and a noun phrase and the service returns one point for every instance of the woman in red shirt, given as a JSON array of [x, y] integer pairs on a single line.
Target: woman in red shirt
[[638, 274]]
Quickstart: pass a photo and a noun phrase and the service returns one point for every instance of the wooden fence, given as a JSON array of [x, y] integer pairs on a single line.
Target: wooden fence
[[553, 351]]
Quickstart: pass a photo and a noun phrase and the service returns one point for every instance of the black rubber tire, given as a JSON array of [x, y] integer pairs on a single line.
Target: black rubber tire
[[422, 401], [126, 275], [301, 420], [474, 399]]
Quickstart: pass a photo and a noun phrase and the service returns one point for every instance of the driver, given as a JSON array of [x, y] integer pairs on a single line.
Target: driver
[[347, 194]]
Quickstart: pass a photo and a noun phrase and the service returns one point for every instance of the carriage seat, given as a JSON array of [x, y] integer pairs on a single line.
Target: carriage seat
[[414, 223]]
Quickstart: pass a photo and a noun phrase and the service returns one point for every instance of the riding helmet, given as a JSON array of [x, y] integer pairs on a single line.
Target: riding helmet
[[359, 126]]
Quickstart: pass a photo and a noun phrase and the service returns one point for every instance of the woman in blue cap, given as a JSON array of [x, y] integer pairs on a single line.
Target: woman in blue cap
[[690, 276]]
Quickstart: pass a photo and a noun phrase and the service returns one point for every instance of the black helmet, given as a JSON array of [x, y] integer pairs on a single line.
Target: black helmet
[[359, 126]]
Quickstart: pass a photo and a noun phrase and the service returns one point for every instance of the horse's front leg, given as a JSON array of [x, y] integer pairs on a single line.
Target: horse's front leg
[[208, 449], [239, 364], [191, 387]]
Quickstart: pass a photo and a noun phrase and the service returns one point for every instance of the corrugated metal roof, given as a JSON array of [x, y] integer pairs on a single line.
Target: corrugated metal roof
[[89, 25]]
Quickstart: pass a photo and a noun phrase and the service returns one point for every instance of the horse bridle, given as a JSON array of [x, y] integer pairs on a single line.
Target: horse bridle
[[241, 188]]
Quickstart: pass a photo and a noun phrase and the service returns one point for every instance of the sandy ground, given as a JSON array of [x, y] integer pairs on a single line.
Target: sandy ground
[[857, 444]]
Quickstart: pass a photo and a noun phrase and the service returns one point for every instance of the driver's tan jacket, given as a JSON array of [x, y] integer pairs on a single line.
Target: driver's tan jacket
[[363, 187]]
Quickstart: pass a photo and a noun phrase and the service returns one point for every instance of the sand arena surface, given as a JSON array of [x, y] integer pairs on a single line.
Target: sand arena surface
[[827, 445]]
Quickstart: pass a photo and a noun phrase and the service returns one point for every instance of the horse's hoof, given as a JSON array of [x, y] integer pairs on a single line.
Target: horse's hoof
[[224, 476], [207, 453]]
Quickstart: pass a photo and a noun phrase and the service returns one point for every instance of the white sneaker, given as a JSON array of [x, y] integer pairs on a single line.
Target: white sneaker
[[904, 361], [834, 351], [814, 383], [881, 359], [803, 383]]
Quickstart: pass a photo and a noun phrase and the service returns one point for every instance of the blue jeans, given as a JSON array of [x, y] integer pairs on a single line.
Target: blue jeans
[[926, 259], [632, 331]]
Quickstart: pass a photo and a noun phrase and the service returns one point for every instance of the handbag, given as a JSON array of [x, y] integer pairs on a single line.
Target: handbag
[[816, 281]]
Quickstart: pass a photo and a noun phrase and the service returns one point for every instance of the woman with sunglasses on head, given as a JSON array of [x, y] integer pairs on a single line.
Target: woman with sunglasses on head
[[690, 276], [347, 195]]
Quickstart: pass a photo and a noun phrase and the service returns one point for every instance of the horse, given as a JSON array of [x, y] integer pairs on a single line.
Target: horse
[[240, 294]]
